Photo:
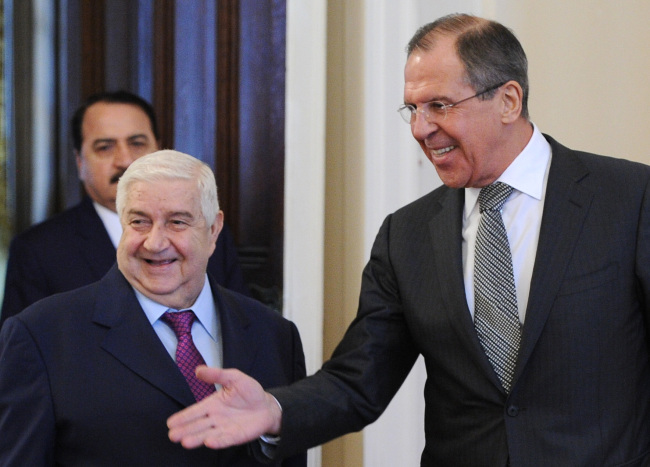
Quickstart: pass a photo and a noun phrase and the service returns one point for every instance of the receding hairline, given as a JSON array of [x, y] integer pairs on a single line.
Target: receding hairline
[[453, 26]]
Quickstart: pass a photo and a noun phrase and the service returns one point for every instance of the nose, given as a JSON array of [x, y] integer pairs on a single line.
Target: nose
[[156, 240], [423, 125], [123, 156]]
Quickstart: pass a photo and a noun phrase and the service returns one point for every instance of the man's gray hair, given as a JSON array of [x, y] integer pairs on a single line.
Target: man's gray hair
[[169, 165], [490, 52]]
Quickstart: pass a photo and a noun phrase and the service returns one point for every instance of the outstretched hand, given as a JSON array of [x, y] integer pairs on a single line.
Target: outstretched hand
[[238, 413]]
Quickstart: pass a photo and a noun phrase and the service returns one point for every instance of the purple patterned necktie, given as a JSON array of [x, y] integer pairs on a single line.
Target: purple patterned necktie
[[187, 355]]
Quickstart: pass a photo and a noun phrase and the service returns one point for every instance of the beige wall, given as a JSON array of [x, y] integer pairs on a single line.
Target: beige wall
[[343, 194], [589, 66]]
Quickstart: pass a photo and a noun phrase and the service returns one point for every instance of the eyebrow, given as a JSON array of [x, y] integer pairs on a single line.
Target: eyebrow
[[138, 136], [184, 214], [103, 141], [113, 140], [435, 99]]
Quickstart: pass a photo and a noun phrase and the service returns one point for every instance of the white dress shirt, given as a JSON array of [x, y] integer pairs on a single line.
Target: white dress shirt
[[522, 216], [111, 222], [206, 332]]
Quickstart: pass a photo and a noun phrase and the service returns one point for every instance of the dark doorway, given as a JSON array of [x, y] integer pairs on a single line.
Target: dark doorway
[[214, 71]]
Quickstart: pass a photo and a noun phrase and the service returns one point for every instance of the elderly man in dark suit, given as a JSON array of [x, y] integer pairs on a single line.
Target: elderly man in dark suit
[[77, 247], [89, 376], [524, 283]]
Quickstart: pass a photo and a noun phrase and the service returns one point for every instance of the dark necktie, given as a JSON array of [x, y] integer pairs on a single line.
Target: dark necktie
[[187, 355], [495, 300]]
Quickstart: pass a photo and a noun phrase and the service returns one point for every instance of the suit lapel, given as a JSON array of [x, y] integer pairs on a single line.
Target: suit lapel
[[130, 338], [565, 209], [239, 348], [94, 244], [446, 236]]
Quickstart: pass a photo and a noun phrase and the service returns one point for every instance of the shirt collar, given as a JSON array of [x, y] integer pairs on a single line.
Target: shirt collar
[[525, 174], [204, 308], [111, 222]]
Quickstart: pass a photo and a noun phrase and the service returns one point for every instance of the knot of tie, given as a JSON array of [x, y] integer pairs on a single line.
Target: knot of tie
[[180, 321], [492, 197]]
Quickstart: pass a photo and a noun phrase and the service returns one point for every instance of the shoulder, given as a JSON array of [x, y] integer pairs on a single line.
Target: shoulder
[[247, 307], [82, 298], [571, 159], [415, 216], [56, 228], [601, 175], [71, 308], [243, 312], [56, 315]]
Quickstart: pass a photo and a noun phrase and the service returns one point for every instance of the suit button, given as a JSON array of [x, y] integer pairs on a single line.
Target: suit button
[[513, 411]]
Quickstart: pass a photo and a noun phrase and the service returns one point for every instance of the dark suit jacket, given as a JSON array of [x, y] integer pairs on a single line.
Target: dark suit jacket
[[85, 380], [581, 391], [73, 249]]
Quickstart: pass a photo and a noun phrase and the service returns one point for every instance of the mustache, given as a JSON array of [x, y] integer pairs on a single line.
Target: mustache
[[116, 177]]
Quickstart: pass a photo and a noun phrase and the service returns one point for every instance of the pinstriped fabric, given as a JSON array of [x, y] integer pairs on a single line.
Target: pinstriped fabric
[[495, 308], [187, 355]]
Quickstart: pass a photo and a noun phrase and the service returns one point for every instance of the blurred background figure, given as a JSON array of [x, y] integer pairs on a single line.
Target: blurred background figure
[[77, 247]]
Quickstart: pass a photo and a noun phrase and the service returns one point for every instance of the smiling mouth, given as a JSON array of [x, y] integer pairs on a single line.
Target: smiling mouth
[[160, 262], [440, 152]]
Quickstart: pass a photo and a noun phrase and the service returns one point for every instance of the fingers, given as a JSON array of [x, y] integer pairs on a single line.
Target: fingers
[[212, 375], [184, 425], [203, 432], [199, 410], [193, 434], [239, 412], [192, 415]]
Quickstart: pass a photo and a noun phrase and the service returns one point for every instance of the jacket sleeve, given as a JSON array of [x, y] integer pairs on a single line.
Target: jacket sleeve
[[300, 459], [366, 369], [24, 282], [26, 410]]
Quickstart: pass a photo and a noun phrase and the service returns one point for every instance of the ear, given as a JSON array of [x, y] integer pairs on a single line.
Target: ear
[[512, 100], [215, 229], [77, 157], [216, 226]]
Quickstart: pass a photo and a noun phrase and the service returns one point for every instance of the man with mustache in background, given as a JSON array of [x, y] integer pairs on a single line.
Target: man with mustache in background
[[77, 247]]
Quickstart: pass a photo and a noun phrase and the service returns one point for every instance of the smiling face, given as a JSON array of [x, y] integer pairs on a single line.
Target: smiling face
[[113, 136], [166, 243], [466, 147]]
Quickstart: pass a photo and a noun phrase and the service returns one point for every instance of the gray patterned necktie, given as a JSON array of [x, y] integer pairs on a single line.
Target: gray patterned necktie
[[495, 300]]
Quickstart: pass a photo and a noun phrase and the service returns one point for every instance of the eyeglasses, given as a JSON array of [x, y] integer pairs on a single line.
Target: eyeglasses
[[437, 108]]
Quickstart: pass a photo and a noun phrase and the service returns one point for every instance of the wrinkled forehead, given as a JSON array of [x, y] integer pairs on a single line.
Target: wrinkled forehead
[[173, 192]]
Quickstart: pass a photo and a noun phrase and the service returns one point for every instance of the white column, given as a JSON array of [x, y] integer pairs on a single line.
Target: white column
[[397, 173], [395, 169], [43, 94], [305, 177]]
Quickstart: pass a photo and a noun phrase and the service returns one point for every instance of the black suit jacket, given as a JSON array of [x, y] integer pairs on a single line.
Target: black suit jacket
[[85, 380], [73, 249], [581, 390]]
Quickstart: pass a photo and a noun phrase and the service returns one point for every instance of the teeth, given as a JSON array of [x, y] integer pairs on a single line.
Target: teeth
[[159, 262], [439, 152]]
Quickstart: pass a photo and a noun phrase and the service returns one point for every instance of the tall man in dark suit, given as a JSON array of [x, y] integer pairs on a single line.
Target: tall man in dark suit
[[109, 131], [88, 377], [556, 370]]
